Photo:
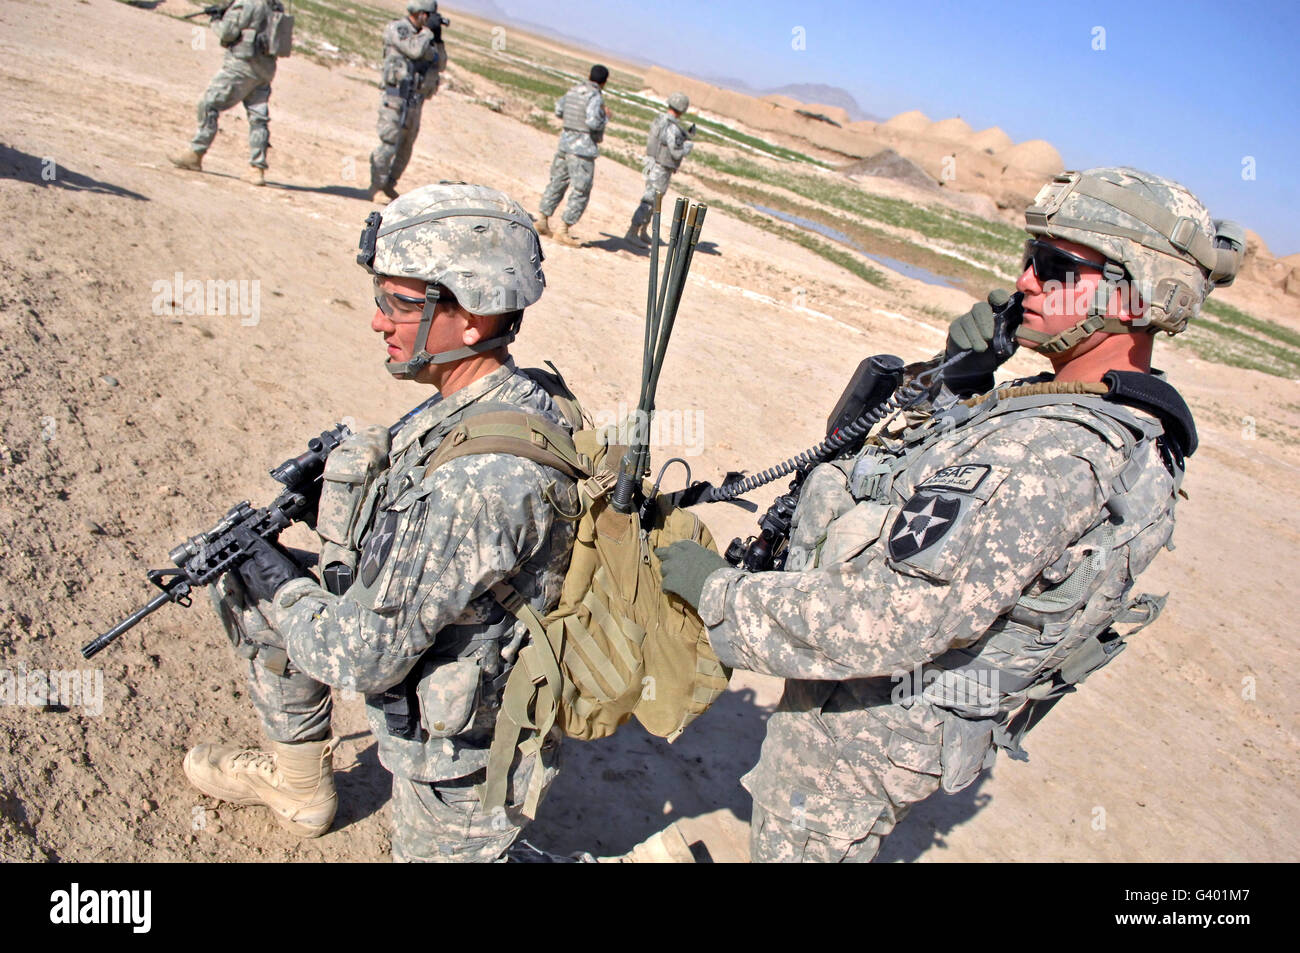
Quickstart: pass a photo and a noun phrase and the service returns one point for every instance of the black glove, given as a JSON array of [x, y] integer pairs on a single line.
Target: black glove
[[690, 131], [269, 568], [987, 331], [685, 566]]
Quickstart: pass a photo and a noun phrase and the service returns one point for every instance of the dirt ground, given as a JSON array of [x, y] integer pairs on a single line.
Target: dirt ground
[[127, 428]]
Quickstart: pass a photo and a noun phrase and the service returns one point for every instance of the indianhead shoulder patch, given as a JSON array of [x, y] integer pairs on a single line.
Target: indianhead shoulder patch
[[378, 545], [925, 519]]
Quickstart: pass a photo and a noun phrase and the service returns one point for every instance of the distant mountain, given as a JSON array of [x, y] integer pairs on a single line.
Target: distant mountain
[[824, 95], [818, 93]]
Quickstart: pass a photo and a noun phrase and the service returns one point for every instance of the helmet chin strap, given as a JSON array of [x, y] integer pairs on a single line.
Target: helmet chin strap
[[1096, 319], [408, 370]]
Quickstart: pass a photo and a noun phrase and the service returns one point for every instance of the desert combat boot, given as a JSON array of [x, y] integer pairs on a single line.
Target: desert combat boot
[[189, 159], [296, 781], [543, 223], [564, 236]]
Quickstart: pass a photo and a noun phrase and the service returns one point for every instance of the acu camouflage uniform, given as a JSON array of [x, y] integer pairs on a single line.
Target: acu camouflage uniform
[[666, 146], [418, 632], [245, 77], [409, 53], [934, 583], [582, 109]]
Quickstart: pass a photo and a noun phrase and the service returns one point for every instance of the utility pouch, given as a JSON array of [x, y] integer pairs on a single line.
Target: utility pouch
[[967, 750], [394, 71], [349, 472], [449, 696]]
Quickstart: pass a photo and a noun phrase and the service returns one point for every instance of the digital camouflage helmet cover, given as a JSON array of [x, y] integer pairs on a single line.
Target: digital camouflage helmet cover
[[1152, 231], [468, 242]]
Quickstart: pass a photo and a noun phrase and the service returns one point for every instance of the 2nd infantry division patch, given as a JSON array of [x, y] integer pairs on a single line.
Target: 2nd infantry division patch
[[924, 521], [378, 545]]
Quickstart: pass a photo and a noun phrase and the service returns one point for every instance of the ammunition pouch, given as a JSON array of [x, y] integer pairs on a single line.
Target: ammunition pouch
[[346, 500]]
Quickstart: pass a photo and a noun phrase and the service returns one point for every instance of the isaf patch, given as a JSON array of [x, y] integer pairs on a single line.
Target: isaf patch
[[925, 519], [961, 479], [378, 545]]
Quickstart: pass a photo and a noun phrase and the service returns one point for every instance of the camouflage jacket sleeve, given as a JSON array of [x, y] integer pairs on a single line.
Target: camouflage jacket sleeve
[[239, 16], [412, 44], [468, 525], [559, 106], [871, 614], [596, 116], [674, 137]]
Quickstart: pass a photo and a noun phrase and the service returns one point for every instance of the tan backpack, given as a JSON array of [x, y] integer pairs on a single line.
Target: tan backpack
[[616, 645]]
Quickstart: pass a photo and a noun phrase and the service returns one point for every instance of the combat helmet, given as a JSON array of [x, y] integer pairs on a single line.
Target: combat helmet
[[422, 6], [680, 102], [470, 240], [1152, 231]]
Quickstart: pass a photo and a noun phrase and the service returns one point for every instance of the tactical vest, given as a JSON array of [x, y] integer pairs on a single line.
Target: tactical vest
[[659, 147], [652, 137], [575, 107], [1061, 630], [615, 646]]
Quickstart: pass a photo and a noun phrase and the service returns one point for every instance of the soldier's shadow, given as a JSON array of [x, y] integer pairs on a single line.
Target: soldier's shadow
[[342, 191], [928, 824], [618, 243], [364, 788], [613, 793], [48, 171]]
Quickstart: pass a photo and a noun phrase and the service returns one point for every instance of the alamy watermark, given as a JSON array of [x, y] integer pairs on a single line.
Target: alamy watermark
[[1127, 297], [679, 429], [214, 297], [39, 688], [129, 907], [976, 691]]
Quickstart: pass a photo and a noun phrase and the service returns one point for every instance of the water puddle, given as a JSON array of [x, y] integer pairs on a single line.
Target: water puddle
[[902, 267]]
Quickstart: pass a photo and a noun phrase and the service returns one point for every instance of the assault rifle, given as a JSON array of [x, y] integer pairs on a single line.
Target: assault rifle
[[876, 391], [202, 559], [214, 11]]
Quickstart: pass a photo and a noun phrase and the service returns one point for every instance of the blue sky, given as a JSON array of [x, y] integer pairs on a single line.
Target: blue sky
[[1189, 90]]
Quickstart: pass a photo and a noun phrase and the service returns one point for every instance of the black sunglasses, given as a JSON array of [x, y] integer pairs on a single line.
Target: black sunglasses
[[1053, 264]]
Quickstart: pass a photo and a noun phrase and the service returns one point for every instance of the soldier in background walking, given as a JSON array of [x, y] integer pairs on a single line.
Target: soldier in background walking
[[668, 143], [246, 31], [584, 113]]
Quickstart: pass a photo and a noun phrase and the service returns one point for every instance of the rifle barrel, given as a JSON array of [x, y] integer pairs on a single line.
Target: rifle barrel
[[157, 602]]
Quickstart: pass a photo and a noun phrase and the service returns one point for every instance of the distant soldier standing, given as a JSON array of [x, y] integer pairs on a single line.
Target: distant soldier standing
[[666, 146], [584, 113], [413, 59], [247, 29]]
